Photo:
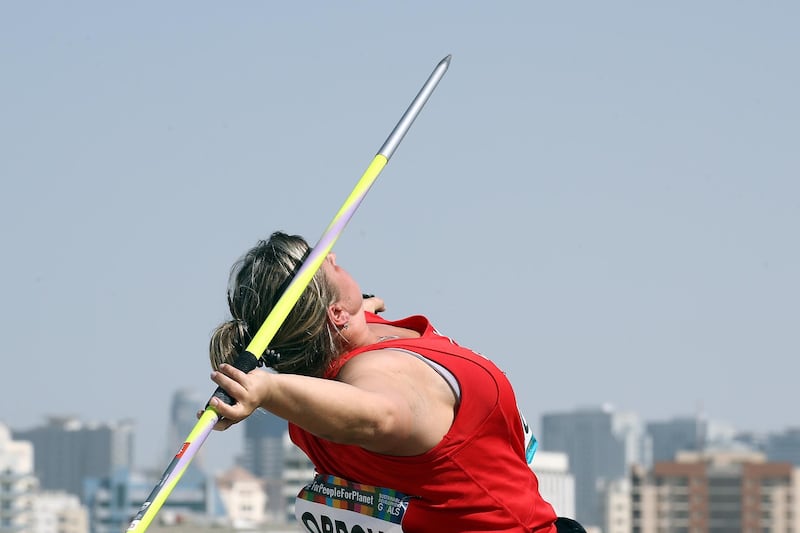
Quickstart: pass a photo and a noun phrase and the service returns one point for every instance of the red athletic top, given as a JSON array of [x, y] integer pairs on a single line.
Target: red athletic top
[[476, 479]]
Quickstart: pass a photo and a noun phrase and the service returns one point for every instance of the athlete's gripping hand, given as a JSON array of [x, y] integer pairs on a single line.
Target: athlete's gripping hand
[[248, 390], [373, 303]]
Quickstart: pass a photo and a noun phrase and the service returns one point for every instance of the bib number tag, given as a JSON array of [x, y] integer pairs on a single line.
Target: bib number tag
[[330, 504]]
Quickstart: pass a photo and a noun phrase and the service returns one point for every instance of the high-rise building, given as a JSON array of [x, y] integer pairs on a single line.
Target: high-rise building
[[182, 419], [618, 507], [556, 483], [18, 484], [601, 445], [637, 443], [678, 434], [67, 451], [263, 448], [263, 456], [716, 492], [723, 435], [298, 471], [784, 446], [754, 441]]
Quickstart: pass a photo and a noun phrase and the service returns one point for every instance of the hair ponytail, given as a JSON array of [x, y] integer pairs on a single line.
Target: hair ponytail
[[228, 340]]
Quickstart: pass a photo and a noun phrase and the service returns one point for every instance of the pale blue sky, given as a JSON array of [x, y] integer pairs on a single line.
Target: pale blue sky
[[603, 197]]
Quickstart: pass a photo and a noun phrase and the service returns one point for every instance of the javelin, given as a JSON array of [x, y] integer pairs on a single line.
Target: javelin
[[248, 359]]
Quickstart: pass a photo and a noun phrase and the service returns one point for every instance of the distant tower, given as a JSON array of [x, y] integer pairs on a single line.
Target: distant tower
[[298, 471], [601, 445], [263, 455], [67, 451], [182, 419], [701, 427], [676, 435], [263, 449], [784, 446]]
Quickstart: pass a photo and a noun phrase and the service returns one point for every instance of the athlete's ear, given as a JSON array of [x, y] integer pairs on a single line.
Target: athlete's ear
[[338, 315]]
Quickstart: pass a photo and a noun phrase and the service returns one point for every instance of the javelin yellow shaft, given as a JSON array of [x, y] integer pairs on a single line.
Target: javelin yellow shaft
[[303, 277], [289, 298]]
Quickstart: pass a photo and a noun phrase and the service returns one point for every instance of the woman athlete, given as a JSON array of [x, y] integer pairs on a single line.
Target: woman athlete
[[407, 430]]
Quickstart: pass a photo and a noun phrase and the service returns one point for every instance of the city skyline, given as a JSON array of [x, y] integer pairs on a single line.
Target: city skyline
[[222, 448], [615, 496], [601, 198]]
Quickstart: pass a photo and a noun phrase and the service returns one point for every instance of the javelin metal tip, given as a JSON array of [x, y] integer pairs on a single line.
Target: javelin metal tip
[[413, 110]]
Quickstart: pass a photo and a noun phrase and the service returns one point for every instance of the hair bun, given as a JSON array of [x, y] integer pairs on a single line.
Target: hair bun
[[228, 340]]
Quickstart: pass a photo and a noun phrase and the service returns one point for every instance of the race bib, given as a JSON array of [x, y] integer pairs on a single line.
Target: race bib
[[330, 504]]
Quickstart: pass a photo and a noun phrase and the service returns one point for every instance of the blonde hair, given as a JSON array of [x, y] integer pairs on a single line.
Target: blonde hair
[[306, 341]]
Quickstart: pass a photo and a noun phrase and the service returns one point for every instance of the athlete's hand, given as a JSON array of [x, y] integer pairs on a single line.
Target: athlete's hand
[[373, 304], [248, 390]]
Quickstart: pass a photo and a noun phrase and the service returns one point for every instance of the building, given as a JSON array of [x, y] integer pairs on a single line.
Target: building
[[675, 435], [18, 485], [784, 446], [298, 471], [637, 443], [59, 512], [114, 500], [716, 492], [244, 497], [68, 451], [263, 445], [601, 445], [263, 456], [556, 483], [618, 509]]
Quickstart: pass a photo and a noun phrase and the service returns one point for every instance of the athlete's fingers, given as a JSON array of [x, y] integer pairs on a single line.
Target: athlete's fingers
[[232, 372], [229, 414], [241, 387], [230, 379], [222, 423]]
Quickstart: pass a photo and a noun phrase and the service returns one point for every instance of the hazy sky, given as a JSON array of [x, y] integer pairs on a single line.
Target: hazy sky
[[602, 197]]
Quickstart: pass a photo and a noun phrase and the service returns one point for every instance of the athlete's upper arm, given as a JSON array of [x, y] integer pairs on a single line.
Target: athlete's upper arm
[[415, 412]]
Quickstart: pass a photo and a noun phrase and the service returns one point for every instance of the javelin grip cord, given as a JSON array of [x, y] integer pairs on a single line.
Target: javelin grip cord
[[244, 361]]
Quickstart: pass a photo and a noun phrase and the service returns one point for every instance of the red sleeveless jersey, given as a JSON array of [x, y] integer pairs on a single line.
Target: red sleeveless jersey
[[476, 479]]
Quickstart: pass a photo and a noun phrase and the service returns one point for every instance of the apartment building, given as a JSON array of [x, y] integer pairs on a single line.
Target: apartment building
[[716, 492]]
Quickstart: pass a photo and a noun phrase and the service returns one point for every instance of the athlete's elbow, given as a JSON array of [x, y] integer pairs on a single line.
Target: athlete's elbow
[[386, 433]]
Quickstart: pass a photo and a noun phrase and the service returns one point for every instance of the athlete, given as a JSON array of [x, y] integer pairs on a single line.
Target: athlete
[[407, 430]]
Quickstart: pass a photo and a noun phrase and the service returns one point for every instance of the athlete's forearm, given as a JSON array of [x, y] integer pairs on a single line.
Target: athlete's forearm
[[334, 410], [372, 417]]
